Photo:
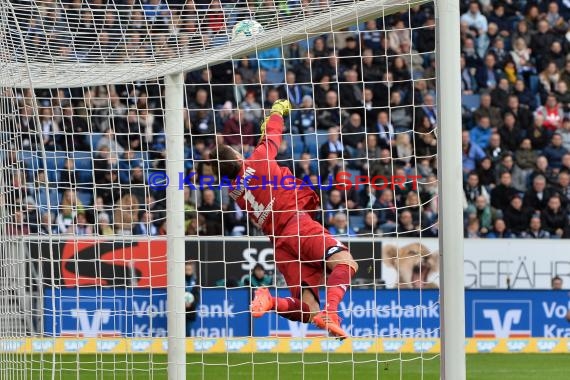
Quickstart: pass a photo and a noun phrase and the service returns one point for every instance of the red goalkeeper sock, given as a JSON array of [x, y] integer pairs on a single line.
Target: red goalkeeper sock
[[337, 285], [293, 309]]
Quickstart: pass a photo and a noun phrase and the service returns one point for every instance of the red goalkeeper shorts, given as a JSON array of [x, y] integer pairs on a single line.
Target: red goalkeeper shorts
[[300, 253]]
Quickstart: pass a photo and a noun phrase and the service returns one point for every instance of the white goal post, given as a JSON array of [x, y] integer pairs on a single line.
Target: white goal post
[[86, 61]]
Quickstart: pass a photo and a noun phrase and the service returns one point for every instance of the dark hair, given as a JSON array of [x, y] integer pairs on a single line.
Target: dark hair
[[228, 164]]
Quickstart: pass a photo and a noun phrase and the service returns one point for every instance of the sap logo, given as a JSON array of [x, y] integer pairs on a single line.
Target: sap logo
[[234, 345], [73, 345], [361, 345], [501, 319], [41, 345], [106, 345], [568, 345], [92, 328], [10, 345], [330, 345], [265, 345], [165, 345], [204, 344], [265, 258], [297, 329], [546, 345], [423, 346], [516, 345], [392, 345], [486, 345], [140, 345], [299, 345]]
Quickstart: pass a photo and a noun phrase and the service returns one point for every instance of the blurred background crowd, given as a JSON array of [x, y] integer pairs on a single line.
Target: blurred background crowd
[[364, 103]]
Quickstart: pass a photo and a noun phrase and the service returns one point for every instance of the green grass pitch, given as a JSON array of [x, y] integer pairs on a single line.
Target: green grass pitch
[[291, 366]]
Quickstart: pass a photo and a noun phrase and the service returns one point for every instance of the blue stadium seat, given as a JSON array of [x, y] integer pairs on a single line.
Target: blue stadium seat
[[298, 146], [54, 164], [93, 139], [356, 222], [83, 167], [85, 197], [471, 102]]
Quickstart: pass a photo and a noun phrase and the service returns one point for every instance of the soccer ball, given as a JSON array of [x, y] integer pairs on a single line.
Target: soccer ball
[[188, 298], [245, 29]]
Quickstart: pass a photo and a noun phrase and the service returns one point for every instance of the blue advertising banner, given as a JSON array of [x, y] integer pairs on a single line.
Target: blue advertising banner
[[96, 312], [92, 312]]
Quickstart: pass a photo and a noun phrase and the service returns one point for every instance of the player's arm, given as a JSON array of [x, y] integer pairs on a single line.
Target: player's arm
[[272, 131]]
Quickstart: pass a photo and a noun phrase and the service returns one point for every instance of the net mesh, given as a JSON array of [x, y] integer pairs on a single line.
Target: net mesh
[[83, 183]]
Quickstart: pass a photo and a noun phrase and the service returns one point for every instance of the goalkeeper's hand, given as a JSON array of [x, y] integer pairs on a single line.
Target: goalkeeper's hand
[[280, 107]]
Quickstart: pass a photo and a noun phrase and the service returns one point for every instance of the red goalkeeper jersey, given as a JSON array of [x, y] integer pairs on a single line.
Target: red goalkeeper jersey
[[270, 194]]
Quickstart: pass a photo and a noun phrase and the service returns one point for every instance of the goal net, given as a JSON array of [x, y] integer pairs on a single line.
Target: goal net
[[107, 165]]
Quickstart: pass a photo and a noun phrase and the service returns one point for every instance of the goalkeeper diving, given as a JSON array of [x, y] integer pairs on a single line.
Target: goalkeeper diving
[[304, 249]]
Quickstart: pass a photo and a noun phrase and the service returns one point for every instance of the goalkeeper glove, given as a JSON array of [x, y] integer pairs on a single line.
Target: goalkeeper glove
[[281, 107]]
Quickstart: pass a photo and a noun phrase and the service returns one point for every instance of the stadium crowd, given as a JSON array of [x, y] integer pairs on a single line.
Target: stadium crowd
[[364, 104]]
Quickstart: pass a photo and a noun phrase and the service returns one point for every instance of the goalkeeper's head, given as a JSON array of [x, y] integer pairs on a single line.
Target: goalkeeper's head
[[229, 161]]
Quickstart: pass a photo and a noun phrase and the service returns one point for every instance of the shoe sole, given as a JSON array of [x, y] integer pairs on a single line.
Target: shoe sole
[[332, 328]]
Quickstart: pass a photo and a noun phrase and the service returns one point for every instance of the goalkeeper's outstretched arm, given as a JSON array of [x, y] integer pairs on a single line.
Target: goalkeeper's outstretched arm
[[272, 131]]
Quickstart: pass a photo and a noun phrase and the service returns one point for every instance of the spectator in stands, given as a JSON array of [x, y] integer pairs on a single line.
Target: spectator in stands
[[543, 168], [503, 192], [303, 119], [500, 95], [541, 41], [473, 229], [252, 111], [489, 75], [69, 208], [385, 130], [353, 134], [484, 214], [475, 19], [486, 172], [81, 227], [563, 188], [535, 230], [563, 96], [472, 153], [565, 163], [552, 113], [126, 214], [211, 210], [507, 163], [555, 151], [333, 144], [333, 205], [537, 197], [303, 166], [554, 217], [340, 226], [48, 225], [516, 215], [331, 115], [238, 132], [258, 277], [473, 189], [369, 151], [525, 157], [522, 114], [371, 227], [400, 115], [537, 133], [351, 90], [191, 285], [494, 150], [103, 224], [556, 283], [511, 134], [486, 109], [406, 226], [145, 225], [500, 230]]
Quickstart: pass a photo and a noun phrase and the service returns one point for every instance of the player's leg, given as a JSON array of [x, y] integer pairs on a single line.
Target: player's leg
[[300, 307]]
